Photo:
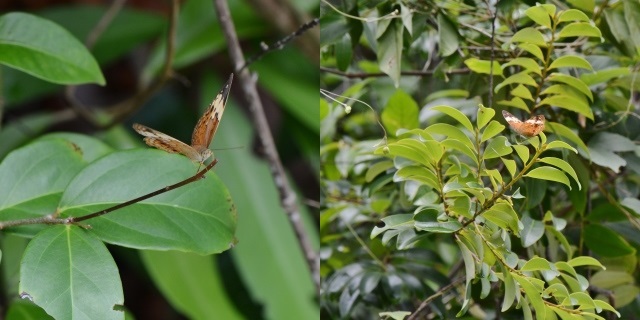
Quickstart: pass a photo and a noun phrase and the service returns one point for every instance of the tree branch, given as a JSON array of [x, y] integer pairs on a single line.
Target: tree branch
[[287, 195]]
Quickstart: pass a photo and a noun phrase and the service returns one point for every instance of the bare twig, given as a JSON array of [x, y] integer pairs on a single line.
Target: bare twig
[[440, 292], [104, 22], [51, 219], [287, 196], [125, 108], [280, 43]]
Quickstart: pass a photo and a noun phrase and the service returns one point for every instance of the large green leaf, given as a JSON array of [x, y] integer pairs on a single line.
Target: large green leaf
[[390, 51], [70, 274], [401, 112], [549, 173], [198, 217], [198, 292], [33, 179], [45, 50]]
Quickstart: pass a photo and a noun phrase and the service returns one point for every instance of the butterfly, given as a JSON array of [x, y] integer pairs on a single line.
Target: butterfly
[[203, 132], [529, 128]]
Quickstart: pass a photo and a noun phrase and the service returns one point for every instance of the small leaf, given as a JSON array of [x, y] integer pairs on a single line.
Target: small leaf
[[419, 174], [563, 131], [533, 49], [537, 264], [516, 102], [484, 116], [572, 81], [569, 103], [510, 165], [492, 130], [456, 114], [45, 50], [571, 62], [451, 132], [585, 261], [394, 222], [498, 147], [503, 216], [400, 112], [510, 291], [532, 232], [579, 29], [527, 63], [549, 173], [483, 66], [376, 169], [566, 167], [539, 15], [529, 35], [521, 77], [572, 15], [522, 92], [523, 152]]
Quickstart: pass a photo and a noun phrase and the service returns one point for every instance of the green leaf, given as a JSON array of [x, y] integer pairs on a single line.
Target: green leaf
[[606, 242], [532, 294], [33, 179], [71, 275], [510, 291], [462, 147], [427, 153], [532, 232], [43, 49], [539, 15], [510, 165], [572, 15], [393, 222], [498, 147], [198, 217], [25, 309], [448, 41], [450, 131], [603, 145], [89, 147], [198, 292], [516, 102], [584, 5], [533, 50], [483, 66], [521, 78], [484, 116], [563, 131], [376, 169], [427, 220], [395, 315], [390, 51], [529, 35], [631, 203], [523, 152], [492, 130], [572, 81], [419, 174], [538, 264], [344, 52], [401, 112], [566, 167], [456, 114], [579, 29], [549, 173], [571, 62], [605, 306], [585, 261], [528, 64], [522, 92], [503, 216], [569, 103], [602, 76]]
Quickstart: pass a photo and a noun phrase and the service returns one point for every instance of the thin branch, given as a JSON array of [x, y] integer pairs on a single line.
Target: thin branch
[[51, 219], [440, 292], [280, 43], [287, 195], [125, 108], [381, 74], [104, 22]]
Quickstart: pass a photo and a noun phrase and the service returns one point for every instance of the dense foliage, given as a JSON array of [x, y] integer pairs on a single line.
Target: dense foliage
[[432, 207]]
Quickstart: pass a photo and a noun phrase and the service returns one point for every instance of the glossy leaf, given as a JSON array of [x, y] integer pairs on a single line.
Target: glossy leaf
[[71, 275], [585, 261], [533, 50], [529, 35], [498, 147], [199, 217], [549, 173], [532, 232], [572, 81], [569, 103], [43, 49], [456, 114], [579, 29], [537, 264], [572, 15], [539, 15], [521, 78], [571, 62], [563, 165], [483, 66], [563, 131], [484, 116], [493, 129], [527, 64]]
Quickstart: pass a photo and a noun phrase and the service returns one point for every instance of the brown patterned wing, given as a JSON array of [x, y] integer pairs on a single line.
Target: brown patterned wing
[[535, 125], [208, 124], [157, 139]]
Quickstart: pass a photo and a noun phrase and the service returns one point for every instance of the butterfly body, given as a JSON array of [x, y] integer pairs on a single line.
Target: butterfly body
[[528, 128], [203, 132]]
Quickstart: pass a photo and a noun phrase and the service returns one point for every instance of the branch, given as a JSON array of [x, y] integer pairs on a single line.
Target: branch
[[51, 219], [381, 74], [440, 292], [125, 108], [287, 195]]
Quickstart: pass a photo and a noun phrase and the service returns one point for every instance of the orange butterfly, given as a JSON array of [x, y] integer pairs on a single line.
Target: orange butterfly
[[529, 128], [203, 132]]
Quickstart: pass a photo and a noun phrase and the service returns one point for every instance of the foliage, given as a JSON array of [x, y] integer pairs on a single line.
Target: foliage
[[69, 271], [449, 216]]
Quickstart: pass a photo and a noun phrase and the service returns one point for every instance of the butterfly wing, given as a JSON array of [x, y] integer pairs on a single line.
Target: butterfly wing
[[157, 139], [535, 125], [208, 124], [511, 119]]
